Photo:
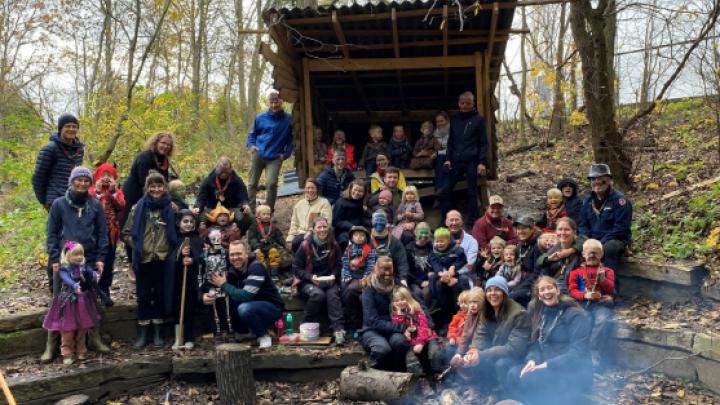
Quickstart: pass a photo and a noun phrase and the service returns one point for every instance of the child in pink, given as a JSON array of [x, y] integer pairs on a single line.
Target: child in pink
[[424, 353]]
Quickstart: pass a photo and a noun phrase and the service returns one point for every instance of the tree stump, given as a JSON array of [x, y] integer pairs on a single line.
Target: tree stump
[[375, 385], [79, 399], [234, 374]]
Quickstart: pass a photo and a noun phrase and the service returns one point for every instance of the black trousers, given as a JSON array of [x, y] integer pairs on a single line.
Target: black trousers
[[352, 304], [317, 298], [149, 290]]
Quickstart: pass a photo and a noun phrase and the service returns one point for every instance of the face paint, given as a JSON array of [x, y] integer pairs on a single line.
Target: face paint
[[187, 224], [379, 224]]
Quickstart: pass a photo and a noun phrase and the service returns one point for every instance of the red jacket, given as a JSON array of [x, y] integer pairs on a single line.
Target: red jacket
[[113, 202], [424, 334], [349, 156], [456, 326], [483, 231], [583, 276]]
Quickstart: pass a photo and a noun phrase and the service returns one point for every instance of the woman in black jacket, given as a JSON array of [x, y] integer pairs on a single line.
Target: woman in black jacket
[[565, 256], [558, 368], [348, 211]]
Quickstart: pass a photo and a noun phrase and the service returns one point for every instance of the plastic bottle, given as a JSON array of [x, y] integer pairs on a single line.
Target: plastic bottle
[[289, 324], [280, 326]]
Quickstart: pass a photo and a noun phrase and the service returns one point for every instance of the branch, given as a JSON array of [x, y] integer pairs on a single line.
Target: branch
[[146, 52], [514, 90], [709, 25]]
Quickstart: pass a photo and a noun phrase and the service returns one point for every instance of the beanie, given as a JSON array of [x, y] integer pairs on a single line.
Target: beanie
[[66, 118], [387, 194], [79, 171], [105, 168], [499, 282]]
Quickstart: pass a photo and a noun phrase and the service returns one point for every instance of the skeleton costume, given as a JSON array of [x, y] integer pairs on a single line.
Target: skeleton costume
[[216, 262]]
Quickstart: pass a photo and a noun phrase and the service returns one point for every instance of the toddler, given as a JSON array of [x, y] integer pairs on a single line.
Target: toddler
[[555, 210], [426, 148], [492, 259], [399, 148], [409, 213], [374, 147], [267, 242], [509, 270], [223, 220], [357, 263]]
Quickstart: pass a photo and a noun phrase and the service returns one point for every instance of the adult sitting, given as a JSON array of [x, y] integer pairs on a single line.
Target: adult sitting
[[339, 145], [387, 245], [493, 224], [335, 178], [385, 342], [156, 156], [606, 216], [528, 253], [573, 202], [559, 338], [466, 156], [79, 218], [251, 291], [391, 182], [349, 211], [270, 142], [454, 223], [56, 160], [224, 187], [565, 255], [317, 265], [378, 178], [304, 212], [500, 340]]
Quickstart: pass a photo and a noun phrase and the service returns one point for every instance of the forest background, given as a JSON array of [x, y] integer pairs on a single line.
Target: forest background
[[128, 68]]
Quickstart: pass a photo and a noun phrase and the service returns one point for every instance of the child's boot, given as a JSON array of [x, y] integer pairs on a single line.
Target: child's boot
[[157, 335], [142, 339], [80, 345], [67, 347], [412, 363], [178, 344], [95, 341], [51, 347]]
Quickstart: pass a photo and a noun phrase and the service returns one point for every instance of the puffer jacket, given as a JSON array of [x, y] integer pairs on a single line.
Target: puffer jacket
[[87, 226], [53, 166]]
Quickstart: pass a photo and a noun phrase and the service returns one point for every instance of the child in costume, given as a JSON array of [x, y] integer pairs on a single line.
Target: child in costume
[[426, 148], [216, 262], [268, 242], [555, 210], [399, 148], [187, 254], [74, 309], [509, 269], [492, 260], [177, 191], [357, 263], [418, 252], [374, 147], [424, 352], [446, 282], [409, 213], [223, 220]]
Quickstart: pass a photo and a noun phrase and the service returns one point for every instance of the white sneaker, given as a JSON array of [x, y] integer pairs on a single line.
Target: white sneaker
[[265, 342], [189, 345]]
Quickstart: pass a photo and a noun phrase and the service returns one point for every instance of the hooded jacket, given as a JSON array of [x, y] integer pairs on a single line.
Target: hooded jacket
[[113, 203], [53, 165], [331, 186], [86, 226], [573, 204], [272, 135]]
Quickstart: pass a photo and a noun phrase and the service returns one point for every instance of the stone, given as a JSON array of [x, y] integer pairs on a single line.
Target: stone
[[29, 320], [22, 342], [708, 372], [708, 345]]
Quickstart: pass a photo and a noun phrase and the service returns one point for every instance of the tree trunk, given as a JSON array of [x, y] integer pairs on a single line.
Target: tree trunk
[[523, 76], [557, 123], [234, 374], [370, 384], [594, 31]]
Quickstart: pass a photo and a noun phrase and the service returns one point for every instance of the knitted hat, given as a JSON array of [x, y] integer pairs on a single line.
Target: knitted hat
[[66, 118], [213, 215], [386, 194], [105, 168], [79, 171], [499, 282], [442, 233]]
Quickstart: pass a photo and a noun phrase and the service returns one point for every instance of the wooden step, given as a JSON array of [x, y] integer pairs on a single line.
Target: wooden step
[[667, 282]]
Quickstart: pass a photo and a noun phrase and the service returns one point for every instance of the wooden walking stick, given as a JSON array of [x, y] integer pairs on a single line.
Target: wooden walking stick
[[6, 390], [179, 335]]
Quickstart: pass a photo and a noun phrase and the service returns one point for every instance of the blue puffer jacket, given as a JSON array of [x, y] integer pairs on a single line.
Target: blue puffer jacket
[[53, 166], [331, 186], [86, 226], [272, 135], [614, 219]]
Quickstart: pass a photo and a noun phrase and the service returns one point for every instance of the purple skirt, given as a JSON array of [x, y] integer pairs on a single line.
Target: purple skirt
[[66, 315]]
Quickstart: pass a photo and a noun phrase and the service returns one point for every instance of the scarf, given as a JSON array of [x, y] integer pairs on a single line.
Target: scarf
[[450, 250], [358, 252], [263, 234], [380, 287], [442, 135], [78, 201], [137, 231], [381, 243], [490, 221], [597, 211], [320, 249], [220, 190]]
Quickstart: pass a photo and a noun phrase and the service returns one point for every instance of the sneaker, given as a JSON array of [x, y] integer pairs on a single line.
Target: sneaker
[[339, 337], [68, 361], [265, 342], [189, 345]]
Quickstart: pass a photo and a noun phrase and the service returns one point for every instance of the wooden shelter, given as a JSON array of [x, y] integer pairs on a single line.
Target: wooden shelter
[[385, 63]]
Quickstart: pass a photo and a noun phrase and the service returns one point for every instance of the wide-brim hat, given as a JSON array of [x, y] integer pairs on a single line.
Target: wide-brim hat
[[599, 170]]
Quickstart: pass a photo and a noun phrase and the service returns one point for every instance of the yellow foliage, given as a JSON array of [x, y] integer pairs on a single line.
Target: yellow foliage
[[652, 186], [578, 118], [713, 240]]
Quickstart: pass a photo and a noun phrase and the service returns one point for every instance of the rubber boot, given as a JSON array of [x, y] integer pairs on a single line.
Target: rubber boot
[[157, 338], [412, 363], [142, 337], [178, 344], [95, 341], [51, 347]]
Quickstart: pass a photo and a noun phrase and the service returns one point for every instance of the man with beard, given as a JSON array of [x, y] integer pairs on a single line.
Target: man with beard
[[223, 186], [391, 181], [387, 245], [493, 224]]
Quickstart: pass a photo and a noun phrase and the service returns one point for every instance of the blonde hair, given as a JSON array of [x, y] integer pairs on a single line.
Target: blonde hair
[[410, 190], [593, 245], [427, 124], [374, 127], [463, 297], [404, 293], [151, 143], [496, 240], [476, 294], [71, 248], [554, 192], [262, 208], [510, 249]]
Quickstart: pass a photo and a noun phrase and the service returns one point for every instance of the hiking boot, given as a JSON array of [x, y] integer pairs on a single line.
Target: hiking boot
[[142, 339], [51, 347], [157, 336], [68, 361], [95, 341], [339, 337]]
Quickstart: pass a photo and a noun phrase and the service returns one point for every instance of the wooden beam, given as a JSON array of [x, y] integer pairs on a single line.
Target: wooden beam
[[274, 59], [410, 33], [291, 96], [382, 116], [479, 67], [429, 62], [413, 44], [346, 53], [307, 110], [396, 51], [445, 47], [493, 26]]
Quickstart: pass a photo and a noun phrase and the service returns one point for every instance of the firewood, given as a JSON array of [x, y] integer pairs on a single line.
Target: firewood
[[375, 385]]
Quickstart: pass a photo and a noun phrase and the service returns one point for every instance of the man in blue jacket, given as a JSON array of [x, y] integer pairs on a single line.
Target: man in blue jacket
[[606, 215], [270, 142], [466, 156]]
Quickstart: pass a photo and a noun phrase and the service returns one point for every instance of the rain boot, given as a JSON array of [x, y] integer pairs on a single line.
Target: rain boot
[[412, 363], [157, 338], [95, 341], [51, 347], [142, 336]]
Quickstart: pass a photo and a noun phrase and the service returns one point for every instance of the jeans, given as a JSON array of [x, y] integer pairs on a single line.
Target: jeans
[[385, 352], [106, 278], [258, 316], [601, 338], [272, 170], [446, 298], [439, 171], [317, 297], [149, 290], [460, 170]]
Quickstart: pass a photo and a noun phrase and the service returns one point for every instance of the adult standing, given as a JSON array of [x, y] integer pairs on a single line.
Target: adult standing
[[454, 222], [339, 145], [270, 142], [560, 337], [385, 342], [466, 156], [493, 224], [317, 265], [304, 213], [606, 216], [442, 134], [528, 253], [79, 218], [252, 292], [223, 186], [565, 256], [56, 160], [335, 178]]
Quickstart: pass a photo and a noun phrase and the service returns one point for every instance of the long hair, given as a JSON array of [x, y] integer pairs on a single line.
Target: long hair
[[538, 305], [151, 143], [380, 259], [404, 293], [331, 237], [355, 183], [71, 248], [410, 190]]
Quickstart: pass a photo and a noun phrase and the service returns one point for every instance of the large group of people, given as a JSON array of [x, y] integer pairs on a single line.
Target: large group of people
[[520, 302]]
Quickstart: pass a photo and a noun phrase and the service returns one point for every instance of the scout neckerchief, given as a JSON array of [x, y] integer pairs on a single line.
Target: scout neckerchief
[[382, 249], [264, 235], [596, 210], [500, 228], [552, 214], [221, 189], [364, 253]]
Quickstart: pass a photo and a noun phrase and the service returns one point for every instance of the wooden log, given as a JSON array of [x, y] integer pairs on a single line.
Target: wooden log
[[375, 385], [519, 175], [234, 374], [79, 399]]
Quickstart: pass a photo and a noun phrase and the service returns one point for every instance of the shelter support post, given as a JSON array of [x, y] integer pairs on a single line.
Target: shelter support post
[[307, 112]]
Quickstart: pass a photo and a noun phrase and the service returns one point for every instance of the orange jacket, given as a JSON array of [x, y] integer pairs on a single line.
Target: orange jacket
[[456, 326]]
